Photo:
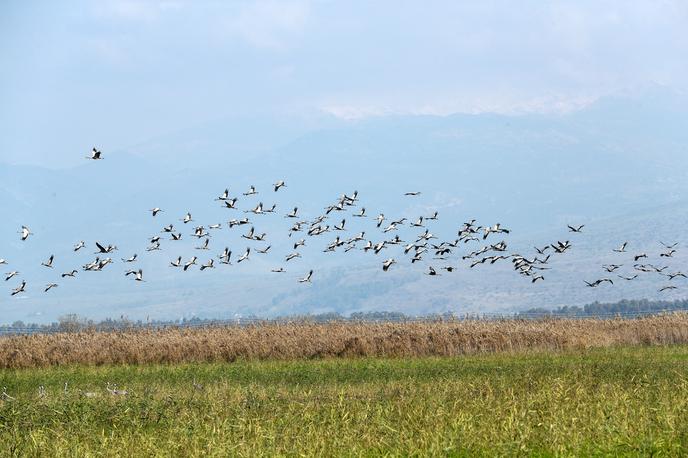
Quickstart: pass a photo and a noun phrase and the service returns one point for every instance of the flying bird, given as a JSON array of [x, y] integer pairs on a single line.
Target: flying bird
[[95, 154], [25, 232], [103, 249], [307, 278], [291, 256], [542, 250], [19, 289], [622, 248], [204, 246], [190, 263], [257, 210], [208, 265], [676, 274], [380, 218], [667, 288], [230, 203], [387, 264], [244, 256], [225, 256], [611, 267], [49, 262], [224, 196]]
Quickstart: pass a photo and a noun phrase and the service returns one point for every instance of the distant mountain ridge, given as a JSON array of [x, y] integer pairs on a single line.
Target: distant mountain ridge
[[533, 173]]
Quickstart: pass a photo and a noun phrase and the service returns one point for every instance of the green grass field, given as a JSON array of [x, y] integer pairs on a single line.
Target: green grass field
[[623, 401]]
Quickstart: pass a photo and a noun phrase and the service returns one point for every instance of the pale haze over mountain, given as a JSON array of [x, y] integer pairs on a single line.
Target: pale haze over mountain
[[185, 100]]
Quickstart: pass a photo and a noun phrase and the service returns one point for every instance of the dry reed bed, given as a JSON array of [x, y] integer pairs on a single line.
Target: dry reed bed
[[337, 339]]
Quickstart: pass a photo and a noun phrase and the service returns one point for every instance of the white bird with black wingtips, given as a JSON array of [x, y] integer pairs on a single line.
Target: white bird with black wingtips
[[307, 278], [224, 196], [69, 274], [95, 154], [49, 286], [208, 265], [49, 262], [25, 233], [244, 256], [19, 289], [387, 264]]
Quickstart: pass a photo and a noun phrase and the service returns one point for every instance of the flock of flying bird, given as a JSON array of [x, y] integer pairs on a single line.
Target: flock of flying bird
[[470, 235]]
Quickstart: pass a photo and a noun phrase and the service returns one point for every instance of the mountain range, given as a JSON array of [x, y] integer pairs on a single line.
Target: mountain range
[[619, 166]]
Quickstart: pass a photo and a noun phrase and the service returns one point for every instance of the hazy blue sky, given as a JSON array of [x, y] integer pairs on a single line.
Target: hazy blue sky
[[117, 72], [187, 98]]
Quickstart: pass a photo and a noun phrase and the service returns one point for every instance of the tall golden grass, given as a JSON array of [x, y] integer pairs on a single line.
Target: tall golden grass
[[306, 340]]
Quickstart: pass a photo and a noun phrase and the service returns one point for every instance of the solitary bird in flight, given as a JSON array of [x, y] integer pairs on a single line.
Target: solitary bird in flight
[[95, 154]]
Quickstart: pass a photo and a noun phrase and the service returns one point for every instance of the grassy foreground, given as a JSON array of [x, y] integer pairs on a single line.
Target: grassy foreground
[[617, 401]]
